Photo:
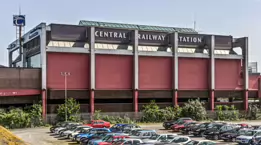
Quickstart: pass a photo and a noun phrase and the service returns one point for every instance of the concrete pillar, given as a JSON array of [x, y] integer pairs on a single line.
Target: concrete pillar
[[212, 73], [44, 103], [92, 67], [24, 57], [244, 47], [175, 61], [10, 58], [44, 68], [259, 88], [136, 70]]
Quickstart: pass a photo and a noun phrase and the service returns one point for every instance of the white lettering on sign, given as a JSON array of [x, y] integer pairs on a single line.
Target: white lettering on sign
[[123, 35], [190, 39]]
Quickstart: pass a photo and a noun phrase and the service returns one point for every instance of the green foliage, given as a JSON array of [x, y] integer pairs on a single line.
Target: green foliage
[[194, 109], [73, 110], [21, 118], [153, 113], [253, 112], [224, 112], [112, 119]]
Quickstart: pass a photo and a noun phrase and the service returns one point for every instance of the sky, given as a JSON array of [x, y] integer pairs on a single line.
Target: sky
[[238, 18]]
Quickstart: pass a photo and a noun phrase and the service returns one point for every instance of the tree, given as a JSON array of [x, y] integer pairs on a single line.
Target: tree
[[73, 110], [194, 109]]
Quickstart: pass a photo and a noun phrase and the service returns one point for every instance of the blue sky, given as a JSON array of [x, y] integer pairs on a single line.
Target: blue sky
[[231, 17]]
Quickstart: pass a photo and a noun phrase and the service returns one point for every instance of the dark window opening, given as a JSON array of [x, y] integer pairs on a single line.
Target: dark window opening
[[61, 101], [157, 100], [187, 99], [113, 101]]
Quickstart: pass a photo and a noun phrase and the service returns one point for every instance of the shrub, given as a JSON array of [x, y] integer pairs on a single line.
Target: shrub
[[73, 110], [224, 112], [253, 112], [112, 119], [21, 118], [194, 109]]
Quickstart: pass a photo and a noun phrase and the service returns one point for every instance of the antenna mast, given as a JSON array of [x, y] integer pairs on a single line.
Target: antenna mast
[[194, 22]]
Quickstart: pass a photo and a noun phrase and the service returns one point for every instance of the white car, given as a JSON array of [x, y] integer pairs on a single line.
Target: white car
[[202, 142], [180, 140], [159, 138], [57, 130], [129, 141], [69, 133], [248, 136]]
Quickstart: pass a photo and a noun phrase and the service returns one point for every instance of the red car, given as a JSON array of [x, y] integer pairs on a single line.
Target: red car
[[179, 126], [100, 124], [113, 139]]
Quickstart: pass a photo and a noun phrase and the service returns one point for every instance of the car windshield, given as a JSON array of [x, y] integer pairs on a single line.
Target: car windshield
[[241, 132], [250, 133], [175, 140], [154, 137]]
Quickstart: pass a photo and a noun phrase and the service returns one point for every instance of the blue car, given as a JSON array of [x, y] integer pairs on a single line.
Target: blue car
[[118, 127], [91, 132]]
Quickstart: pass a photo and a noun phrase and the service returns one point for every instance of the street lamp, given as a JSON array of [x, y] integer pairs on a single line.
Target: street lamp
[[65, 75]]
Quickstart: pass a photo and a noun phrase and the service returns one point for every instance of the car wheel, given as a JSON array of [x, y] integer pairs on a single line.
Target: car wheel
[[69, 136], [233, 139], [215, 137]]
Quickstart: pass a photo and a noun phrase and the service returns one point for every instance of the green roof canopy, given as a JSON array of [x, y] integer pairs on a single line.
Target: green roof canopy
[[138, 27]]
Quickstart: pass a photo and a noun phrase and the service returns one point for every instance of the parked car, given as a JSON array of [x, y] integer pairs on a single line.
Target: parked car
[[248, 137], [216, 131], [178, 140], [179, 126], [129, 127], [188, 127], [128, 141], [143, 134], [98, 135], [60, 124], [117, 127], [82, 131], [99, 124], [202, 142], [92, 132], [68, 126], [159, 138], [113, 139], [233, 134], [168, 124], [200, 129], [104, 138], [69, 133]]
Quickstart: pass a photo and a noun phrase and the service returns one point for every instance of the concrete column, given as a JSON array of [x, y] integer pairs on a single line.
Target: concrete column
[[245, 70], [259, 88], [136, 70], [212, 73], [24, 57], [10, 58], [175, 77], [92, 67], [44, 68]]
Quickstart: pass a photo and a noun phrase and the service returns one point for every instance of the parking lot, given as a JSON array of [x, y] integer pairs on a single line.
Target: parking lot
[[42, 136]]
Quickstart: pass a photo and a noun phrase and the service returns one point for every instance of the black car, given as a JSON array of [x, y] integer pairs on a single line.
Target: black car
[[189, 127], [217, 130], [233, 134], [168, 124], [200, 129]]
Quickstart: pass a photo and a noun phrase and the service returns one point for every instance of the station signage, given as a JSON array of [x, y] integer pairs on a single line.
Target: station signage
[[159, 38]]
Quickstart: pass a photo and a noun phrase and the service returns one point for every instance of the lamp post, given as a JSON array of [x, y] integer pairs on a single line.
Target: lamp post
[[65, 75]]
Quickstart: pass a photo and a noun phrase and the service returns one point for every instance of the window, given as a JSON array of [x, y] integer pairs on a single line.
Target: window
[[34, 61]]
